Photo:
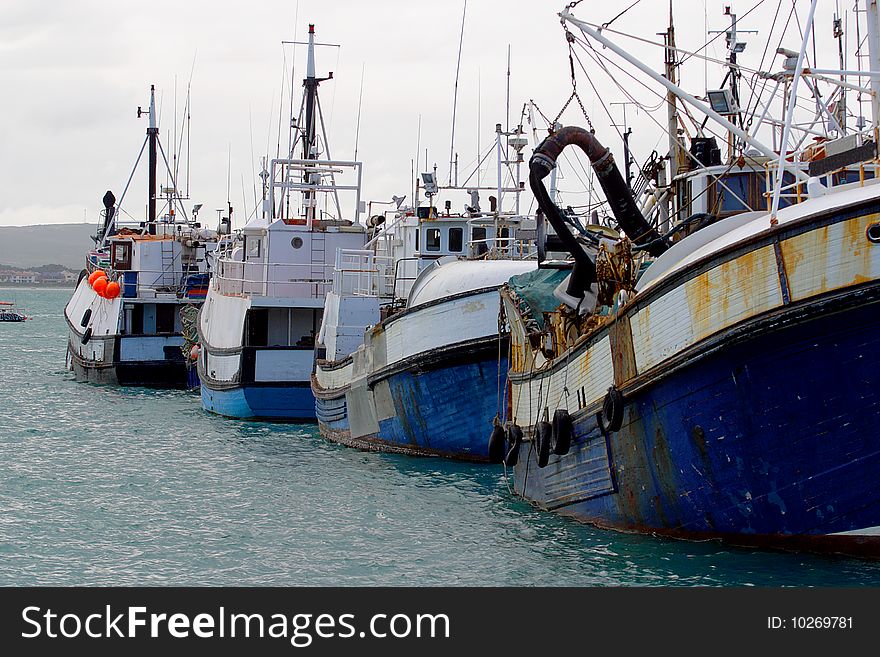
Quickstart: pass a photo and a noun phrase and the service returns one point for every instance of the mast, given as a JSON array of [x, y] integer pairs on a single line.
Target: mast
[[311, 87], [734, 46], [675, 154], [152, 138], [675, 158], [498, 202], [310, 134]]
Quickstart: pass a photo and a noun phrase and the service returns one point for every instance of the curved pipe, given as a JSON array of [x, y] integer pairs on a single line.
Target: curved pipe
[[584, 272], [619, 196]]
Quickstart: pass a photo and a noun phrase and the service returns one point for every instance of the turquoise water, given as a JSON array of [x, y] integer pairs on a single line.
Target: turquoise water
[[103, 485]]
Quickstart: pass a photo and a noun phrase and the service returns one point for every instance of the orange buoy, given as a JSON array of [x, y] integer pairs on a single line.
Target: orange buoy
[[112, 290], [100, 286], [95, 275]]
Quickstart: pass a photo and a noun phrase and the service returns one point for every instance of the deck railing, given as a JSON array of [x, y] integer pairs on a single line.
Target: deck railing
[[360, 272], [272, 279]]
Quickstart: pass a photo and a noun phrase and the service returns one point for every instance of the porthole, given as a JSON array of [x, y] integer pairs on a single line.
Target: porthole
[[873, 233], [296, 242]]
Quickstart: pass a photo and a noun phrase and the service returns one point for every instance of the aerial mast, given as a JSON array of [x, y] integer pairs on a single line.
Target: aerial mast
[[733, 48], [671, 62], [311, 87], [153, 137]]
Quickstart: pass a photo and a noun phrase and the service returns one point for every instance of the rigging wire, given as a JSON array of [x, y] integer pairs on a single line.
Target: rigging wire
[[597, 55], [621, 13], [713, 39]]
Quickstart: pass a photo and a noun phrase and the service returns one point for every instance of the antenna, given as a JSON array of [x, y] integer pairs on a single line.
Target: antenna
[[228, 168], [507, 113], [627, 155], [479, 110], [357, 130], [455, 92], [733, 75]]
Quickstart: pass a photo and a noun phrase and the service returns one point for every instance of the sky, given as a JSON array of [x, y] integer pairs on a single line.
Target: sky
[[73, 74]]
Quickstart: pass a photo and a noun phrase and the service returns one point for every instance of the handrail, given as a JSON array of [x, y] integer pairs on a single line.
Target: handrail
[[272, 279]]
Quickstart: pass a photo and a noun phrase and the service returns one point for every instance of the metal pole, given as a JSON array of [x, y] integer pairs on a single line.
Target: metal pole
[[153, 136], [311, 85], [498, 203], [789, 116], [873, 18]]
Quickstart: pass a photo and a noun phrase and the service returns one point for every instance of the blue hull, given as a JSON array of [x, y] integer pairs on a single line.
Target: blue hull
[[770, 440], [444, 411], [280, 403]]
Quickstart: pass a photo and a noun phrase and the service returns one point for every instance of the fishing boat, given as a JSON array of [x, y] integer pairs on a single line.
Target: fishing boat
[[715, 380], [8, 313], [408, 349], [126, 319], [265, 303]]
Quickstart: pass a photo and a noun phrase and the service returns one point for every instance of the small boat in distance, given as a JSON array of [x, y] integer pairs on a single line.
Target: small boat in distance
[[8, 313], [130, 328]]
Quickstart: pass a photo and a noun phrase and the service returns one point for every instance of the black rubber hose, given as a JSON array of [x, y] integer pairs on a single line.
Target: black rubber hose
[[619, 196], [584, 272]]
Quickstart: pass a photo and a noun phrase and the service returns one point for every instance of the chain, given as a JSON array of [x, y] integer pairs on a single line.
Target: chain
[[570, 38]]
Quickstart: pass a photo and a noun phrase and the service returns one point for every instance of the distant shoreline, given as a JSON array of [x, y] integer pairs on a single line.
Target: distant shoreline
[[36, 286]]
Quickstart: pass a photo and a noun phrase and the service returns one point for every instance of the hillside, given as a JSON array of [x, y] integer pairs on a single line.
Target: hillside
[[32, 246]]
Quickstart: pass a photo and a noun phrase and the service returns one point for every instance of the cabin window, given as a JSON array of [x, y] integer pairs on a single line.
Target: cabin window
[[479, 239], [684, 200], [456, 239], [252, 247], [120, 256], [734, 193], [165, 313], [282, 327], [432, 239], [257, 327], [417, 239], [134, 318]]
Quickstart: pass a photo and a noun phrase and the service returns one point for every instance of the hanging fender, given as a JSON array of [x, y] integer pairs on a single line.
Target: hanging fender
[[497, 445], [514, 438], [86, 336], [562, 432], [543, 436], [610, 418]]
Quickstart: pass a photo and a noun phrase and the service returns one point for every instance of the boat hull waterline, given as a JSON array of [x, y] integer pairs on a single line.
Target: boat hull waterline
[[437, 409], [278, 402]]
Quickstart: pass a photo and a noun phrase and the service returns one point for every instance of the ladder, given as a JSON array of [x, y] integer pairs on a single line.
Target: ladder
[[167, 276], [318, 270]]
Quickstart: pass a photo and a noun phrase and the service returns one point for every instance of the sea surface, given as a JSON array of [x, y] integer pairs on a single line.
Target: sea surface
[[102, 485]]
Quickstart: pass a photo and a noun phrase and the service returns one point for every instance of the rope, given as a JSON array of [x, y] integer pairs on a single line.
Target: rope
[[500, 322]]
